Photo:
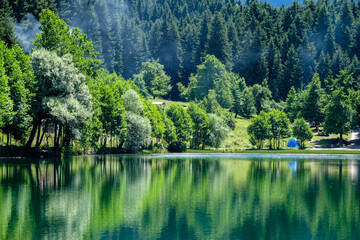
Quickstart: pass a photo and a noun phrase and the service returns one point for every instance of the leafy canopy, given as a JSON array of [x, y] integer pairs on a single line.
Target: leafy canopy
[[57, 36]]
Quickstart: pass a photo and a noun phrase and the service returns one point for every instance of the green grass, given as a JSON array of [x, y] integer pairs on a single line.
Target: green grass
[[238, 138], [267, 151], [326, 140]]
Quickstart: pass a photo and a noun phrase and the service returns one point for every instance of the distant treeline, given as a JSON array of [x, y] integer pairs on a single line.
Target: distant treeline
[[256, 40]]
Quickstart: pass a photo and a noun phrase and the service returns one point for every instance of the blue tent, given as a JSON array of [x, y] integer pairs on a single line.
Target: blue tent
[[293, 143]]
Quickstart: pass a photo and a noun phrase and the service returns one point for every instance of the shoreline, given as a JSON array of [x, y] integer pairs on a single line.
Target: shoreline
[[310, 152]]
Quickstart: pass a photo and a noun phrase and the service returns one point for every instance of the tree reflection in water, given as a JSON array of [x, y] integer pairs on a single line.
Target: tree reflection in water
[[155, 197]]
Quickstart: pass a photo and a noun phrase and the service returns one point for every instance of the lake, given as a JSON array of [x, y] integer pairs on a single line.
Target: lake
[[182, 197]]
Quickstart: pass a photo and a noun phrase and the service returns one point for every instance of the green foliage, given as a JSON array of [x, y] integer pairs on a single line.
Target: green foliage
[[210, 104], [139, 129], [211, 75], [133, 102], [6, 103], [7, 31], [262, 96], [292, 104], [312, 107], [19, 78], [153, 113], [259, 129], [302, 131], [244, 103], [57, 36], [273, 126], [109, 107], [251, 38], [62, 96], [339, 113], [341, 104], [276, 51], [182, 122], [200, 127], [153, 79], [170, 130], [177, 146], [279, 127], [218, 44], [138, 132], [218, 131]]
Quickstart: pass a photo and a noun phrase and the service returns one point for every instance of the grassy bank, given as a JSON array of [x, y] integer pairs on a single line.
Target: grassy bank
[[281, 151]]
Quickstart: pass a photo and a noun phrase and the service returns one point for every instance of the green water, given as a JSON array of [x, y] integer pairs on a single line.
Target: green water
[[182, 197]]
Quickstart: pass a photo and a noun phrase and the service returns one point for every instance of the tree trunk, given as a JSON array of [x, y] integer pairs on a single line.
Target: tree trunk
[[32, 134], [341, 139], [42, 135], [38, 136], [55, 133], [66, 137], [121, 144], [59, 135]]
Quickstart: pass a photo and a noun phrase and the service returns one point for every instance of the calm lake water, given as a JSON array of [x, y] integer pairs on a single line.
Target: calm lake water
[[182, 197]]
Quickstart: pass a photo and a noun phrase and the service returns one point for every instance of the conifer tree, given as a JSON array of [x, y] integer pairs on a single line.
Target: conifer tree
[[7, 32], [292, 72], [312, 107], [218, 40]]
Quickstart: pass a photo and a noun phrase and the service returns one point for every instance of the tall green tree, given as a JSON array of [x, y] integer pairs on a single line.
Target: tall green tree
[[292, 104], [279, 127], [153, 113], [57, 36], [302, 131], [259, 129], [138, 125], [293, 75], [153, 78], [200, 127], [211, 75], [21, 84], [112, 116], [312, 109], [339, 113], [262, 96], [275, 70], [182, 122], [7, 31], [218, 131], [6, 104], [218, 44], [62, 98], [202, 46]]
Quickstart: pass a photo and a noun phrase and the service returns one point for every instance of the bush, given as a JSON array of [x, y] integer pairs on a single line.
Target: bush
[[139, 132], [159, 145], [177, 146], [302, 131], [230, 121], [218, 131]]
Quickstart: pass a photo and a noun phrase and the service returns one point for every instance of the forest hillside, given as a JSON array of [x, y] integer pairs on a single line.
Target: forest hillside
[[256, 40]]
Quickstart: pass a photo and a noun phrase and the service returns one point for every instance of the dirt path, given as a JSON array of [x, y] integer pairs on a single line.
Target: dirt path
[[354, 137], [354, 143]]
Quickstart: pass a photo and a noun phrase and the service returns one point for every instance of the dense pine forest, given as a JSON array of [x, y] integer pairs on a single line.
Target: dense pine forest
[[256, 40], [246, 57]]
